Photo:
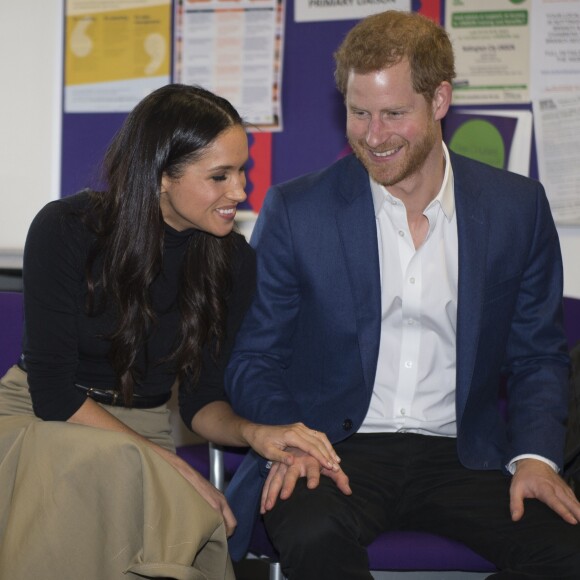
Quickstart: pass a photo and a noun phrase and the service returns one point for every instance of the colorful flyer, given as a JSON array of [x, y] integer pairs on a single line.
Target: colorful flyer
[[233, 48], [116, 52], [499, 137], [491, 43], [258, 170]]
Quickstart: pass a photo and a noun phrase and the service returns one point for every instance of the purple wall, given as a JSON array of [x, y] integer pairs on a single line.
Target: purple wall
[[572, 320], [11, 323]]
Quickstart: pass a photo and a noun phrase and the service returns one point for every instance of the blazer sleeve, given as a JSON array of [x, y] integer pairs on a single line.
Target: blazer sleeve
[[537, 361], [255, 375]]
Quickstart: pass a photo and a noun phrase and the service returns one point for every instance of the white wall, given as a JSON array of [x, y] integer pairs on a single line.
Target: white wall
[[30, 127], [30, 116], [570, 242]]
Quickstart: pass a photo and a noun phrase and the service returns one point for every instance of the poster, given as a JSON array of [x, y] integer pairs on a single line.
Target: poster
[[233, 48], [501, 138], [116, 52], [557, 124], [555, 47], [555, 51], [320, 10], [258, 174], [491, 44]]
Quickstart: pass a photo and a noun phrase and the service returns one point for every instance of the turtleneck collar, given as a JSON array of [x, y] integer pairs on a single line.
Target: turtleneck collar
[[174, 239]]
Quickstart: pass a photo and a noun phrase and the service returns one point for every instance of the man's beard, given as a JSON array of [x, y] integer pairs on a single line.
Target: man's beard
[[388, 174]]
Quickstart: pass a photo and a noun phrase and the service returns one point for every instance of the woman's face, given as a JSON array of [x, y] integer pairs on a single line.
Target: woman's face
[[206, 195]]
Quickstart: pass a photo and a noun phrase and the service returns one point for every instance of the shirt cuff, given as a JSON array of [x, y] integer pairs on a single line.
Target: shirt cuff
[[511, 466]]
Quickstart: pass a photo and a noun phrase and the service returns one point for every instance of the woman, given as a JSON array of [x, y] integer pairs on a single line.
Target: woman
[[127, 292]]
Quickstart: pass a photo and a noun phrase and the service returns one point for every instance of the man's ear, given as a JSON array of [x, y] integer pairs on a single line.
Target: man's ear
[[442, 100]]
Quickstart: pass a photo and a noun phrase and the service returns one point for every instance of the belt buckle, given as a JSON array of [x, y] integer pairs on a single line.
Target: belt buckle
[[92, 391]]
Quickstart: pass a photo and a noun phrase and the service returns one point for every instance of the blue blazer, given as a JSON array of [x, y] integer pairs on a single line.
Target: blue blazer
[[307, 350]]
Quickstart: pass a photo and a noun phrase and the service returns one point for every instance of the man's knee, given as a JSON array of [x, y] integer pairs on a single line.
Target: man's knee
[[309, 520]]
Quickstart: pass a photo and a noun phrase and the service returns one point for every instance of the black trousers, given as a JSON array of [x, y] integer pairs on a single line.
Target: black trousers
[[415, 482]]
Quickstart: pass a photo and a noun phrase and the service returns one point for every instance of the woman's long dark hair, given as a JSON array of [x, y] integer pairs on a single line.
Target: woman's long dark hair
[[166, 131]]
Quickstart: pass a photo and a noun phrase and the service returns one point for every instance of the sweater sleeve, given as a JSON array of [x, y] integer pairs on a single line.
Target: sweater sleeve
[[210, 386], [53, 275]]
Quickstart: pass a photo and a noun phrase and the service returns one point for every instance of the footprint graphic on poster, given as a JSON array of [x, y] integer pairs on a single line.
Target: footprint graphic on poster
[[81, 44], [155, 47]]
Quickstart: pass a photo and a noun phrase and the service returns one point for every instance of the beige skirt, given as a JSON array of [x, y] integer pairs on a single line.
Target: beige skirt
[[84, 503]]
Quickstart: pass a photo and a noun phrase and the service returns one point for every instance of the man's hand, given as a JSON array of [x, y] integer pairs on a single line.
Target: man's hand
[[536, 479], [282, 478]]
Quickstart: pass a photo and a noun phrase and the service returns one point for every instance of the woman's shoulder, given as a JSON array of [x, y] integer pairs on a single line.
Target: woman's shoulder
[[61, 222], [71, 208]]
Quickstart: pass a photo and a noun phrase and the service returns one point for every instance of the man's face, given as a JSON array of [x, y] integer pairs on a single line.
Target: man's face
[[391, 128]]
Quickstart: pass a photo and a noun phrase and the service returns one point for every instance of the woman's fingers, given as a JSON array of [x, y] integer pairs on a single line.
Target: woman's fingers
[[274, 441], [314, 443]]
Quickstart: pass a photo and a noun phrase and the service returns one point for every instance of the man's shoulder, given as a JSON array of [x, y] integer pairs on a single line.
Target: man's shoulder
[[344, 172], [466, 168]]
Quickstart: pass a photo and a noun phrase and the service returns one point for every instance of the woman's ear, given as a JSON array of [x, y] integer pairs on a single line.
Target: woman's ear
[[165, 182]]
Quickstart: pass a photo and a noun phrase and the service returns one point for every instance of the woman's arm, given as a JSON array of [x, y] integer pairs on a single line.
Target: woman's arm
[[218, 423]]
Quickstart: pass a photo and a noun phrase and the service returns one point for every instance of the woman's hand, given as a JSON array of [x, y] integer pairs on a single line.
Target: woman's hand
[[217, 422], [213, 496], [271, 442]]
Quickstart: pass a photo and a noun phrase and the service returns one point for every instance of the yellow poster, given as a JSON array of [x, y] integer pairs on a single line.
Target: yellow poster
[[115, 52]]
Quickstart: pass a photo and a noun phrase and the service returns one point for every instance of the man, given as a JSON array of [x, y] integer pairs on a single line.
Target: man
[[395, 288]]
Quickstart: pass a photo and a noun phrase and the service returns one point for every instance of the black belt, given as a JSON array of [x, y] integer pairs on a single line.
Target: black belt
[[115, 398]]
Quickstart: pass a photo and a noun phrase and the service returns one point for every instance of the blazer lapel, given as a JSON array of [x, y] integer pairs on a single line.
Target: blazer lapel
[[358, 233], [472, 233]]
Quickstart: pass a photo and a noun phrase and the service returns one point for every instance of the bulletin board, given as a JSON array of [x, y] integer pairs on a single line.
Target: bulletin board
[[313, 134]]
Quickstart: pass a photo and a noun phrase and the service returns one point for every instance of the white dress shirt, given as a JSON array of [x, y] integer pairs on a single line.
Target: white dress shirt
[[414, 387]]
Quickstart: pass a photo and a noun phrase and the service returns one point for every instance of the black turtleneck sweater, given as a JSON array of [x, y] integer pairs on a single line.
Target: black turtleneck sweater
[[63, 345]]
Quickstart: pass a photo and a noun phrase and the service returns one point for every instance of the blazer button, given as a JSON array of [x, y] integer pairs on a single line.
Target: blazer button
[[347, 424]]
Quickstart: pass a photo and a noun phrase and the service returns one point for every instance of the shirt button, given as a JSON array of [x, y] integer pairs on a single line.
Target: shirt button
[[402, 233], [408, 364], [403, 411], [347, 424], [412, 280]]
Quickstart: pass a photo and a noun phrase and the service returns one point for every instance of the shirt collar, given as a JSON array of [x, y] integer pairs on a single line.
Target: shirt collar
[[445, 198]]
